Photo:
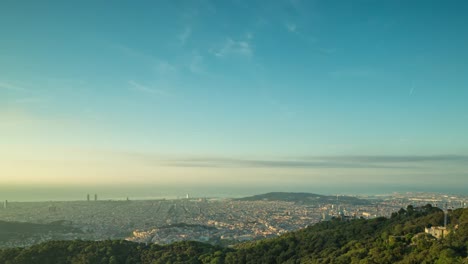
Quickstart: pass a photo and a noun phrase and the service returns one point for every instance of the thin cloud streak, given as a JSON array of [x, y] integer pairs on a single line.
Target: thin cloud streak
[[10, 86], [246, 163], [231, 47], [401, 159], [331, 162], [143, 88]]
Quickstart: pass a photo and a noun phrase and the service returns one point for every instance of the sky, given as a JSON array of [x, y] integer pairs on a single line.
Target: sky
[[222, 93]]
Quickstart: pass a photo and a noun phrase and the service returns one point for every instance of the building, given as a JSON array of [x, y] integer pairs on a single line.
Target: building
[[5, 204], [437, 231], [52, 209], [95, 197], [366, 215], [87, 197]]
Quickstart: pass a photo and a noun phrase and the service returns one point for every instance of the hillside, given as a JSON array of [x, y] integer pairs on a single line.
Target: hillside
[[399, 239], [305, 198]]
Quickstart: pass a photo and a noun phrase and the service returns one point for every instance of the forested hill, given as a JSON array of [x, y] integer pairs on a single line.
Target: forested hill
[[400, 239], [304, 198]]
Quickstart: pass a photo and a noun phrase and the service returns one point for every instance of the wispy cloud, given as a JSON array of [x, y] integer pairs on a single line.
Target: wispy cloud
[[327, 51], [30, 120], [30, 100], [133, 53], [233, 47], [261, 22], [165, 68], [291, 27], [354, 73], [196, 64], [13, 87], [146, 89], [296, 4], [184, 35], [294, 28], [411, 90], [160, 66]]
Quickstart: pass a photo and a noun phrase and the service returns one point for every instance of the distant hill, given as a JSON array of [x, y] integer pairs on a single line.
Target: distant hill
[[400, 239], [305, 198]]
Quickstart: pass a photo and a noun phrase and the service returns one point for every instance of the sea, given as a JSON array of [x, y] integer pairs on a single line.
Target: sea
[[31, 193]]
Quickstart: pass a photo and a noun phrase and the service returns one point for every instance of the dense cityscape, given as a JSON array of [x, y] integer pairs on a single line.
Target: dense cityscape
[[213, 220]]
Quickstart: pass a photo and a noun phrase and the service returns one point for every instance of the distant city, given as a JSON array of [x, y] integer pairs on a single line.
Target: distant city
[[221, 221]]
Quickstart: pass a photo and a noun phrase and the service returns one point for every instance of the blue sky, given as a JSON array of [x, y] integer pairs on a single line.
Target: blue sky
[[158, 91]]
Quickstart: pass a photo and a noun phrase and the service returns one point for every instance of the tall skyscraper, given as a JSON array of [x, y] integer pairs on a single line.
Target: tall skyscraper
[[5, 204], [87, 197], [95, 197]]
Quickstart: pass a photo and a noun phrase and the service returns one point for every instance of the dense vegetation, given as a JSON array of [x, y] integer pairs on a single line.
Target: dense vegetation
[[399, 239], [396, 240], [304, 198]]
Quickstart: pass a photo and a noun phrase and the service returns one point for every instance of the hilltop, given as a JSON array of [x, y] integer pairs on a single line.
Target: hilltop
[[304, 198]]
